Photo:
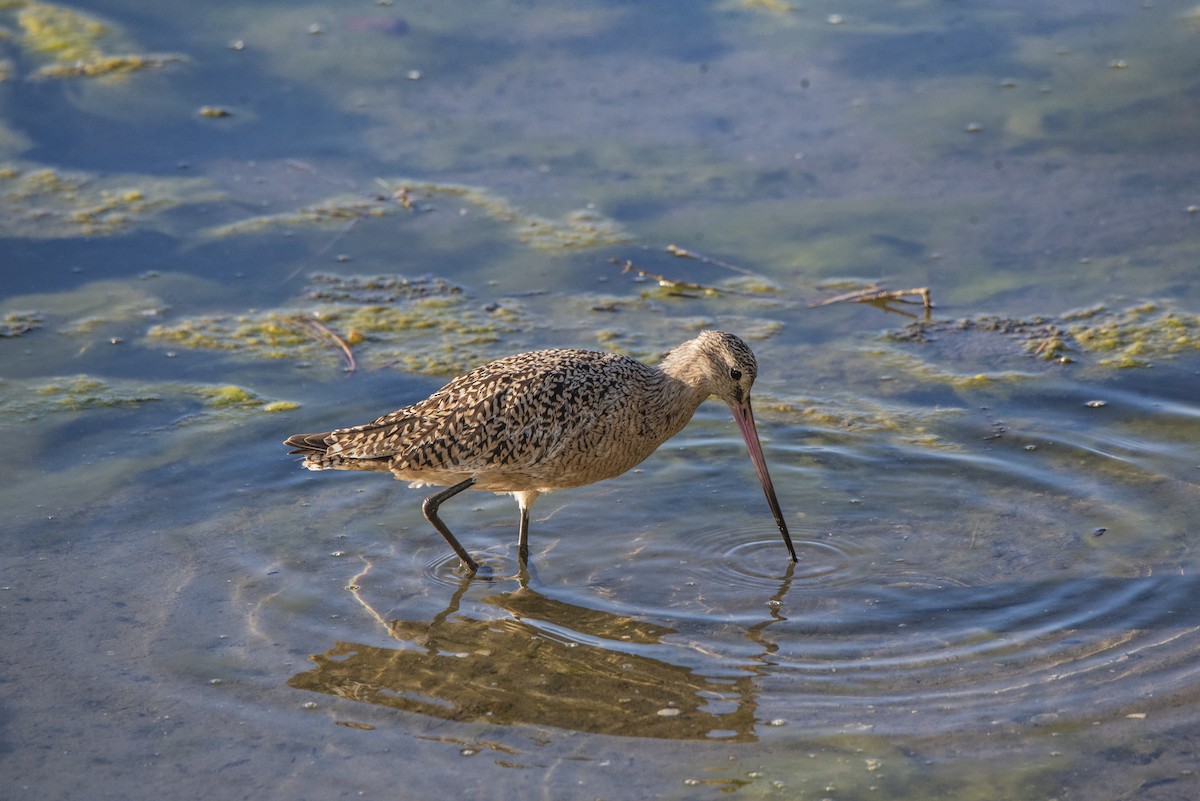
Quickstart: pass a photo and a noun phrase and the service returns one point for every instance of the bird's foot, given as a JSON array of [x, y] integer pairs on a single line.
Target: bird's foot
[[475, 570]]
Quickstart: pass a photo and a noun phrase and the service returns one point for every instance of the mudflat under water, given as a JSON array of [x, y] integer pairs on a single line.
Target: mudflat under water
[[224, 223]]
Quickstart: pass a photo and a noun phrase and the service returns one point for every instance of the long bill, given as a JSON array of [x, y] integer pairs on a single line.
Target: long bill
[[744, 416]]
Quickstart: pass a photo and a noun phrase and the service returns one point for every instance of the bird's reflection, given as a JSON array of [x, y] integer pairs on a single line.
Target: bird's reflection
[[544, 662]]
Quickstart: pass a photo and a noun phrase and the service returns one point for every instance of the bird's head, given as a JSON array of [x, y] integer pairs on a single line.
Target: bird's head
[[719, 363]]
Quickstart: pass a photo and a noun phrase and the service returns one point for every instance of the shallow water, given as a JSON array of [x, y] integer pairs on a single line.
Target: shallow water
[[993, 508]]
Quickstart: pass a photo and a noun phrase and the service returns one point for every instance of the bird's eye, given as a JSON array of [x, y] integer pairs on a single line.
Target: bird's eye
[[735, 374]]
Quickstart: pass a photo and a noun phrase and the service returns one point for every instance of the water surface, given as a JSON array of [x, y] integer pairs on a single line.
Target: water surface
[[993, 504]]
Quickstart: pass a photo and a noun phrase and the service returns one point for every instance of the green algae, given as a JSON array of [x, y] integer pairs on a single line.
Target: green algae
[[108, 65], [70, 394], [16, 323], [336, 210], [431, 334], [778, 6], [229, 396], [28, 400], [583, 228], [270, 335], [1136, 336], [376, 288], [911, 368], [854, 415], [74, 43], [66, 34], [87, 307], [656, 332], [425, 325], [39, 202]]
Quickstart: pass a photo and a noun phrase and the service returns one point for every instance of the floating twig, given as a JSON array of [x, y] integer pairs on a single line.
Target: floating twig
[[401, 194], [320, 332], [679, 252], [875, 294], [662, 280]]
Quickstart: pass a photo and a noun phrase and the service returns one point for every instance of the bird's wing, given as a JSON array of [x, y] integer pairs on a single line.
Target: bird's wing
[[512, 413]]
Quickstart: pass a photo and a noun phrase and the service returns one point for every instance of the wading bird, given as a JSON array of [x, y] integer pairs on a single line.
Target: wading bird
[[547, 420]]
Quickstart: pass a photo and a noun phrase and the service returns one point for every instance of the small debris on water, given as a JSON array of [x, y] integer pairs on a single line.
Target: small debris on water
[[1099, 532], [351, 724], [1096, 404]]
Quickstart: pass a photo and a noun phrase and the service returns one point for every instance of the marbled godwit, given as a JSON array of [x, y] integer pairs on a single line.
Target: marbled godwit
[[547, 420]]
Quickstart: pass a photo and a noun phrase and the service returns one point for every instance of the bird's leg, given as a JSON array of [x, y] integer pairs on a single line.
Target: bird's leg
[[430, 508], [525, 499], [523, 536]]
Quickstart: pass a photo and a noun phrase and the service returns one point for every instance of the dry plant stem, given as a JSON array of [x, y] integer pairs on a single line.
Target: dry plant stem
[[399, 195], [663, 281], [338, 237], [874, 293], [675, 250], [345, 229], [322, 333]]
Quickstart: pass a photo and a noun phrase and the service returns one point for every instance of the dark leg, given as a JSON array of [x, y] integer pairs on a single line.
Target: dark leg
[[523, 536], [525, 499], [430, 508]]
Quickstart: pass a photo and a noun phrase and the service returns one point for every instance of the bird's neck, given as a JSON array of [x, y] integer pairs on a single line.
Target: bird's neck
[[681, 389], [685, 374]]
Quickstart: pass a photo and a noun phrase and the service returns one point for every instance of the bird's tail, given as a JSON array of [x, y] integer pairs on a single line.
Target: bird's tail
[[315, 448], [308, 444]]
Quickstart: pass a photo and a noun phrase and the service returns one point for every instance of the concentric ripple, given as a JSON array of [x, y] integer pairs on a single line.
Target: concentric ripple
[[751, 558], [494, 563], [1045, 577], [948, 657]]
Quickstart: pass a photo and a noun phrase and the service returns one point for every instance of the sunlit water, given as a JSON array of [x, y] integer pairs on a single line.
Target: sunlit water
[[882, 624], [995, 592]]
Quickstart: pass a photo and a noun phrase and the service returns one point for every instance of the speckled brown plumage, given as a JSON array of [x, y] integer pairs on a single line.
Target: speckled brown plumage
[[546, 420]]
